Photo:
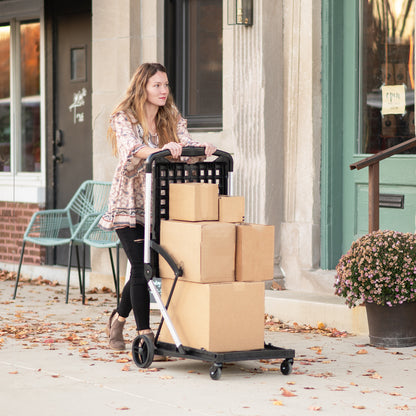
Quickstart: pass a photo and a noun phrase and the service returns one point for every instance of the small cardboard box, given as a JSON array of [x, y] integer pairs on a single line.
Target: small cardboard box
[[205, 250], [254, 252], [216, 316], [193, 201], [231, 208]]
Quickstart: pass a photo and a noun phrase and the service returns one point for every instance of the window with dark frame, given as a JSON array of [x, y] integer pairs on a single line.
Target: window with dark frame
[[193, 58]]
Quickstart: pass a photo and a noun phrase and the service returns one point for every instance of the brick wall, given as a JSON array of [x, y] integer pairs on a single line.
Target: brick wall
[[14, 218]]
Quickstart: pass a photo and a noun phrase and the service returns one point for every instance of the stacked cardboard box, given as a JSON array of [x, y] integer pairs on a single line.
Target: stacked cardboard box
[[218, 303]]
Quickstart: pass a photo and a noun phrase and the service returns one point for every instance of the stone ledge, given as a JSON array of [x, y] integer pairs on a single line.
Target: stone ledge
[[310, 308]]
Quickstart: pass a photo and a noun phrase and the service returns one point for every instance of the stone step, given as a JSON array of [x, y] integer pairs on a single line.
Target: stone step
[[310, 308]]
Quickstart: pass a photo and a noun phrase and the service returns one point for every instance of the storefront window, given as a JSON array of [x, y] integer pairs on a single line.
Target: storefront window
[[193, 39], [387, 74], [4, 98], [20, 142], [30, 96]]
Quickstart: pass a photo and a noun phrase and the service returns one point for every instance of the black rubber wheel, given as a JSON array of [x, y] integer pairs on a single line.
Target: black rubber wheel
[[215, 371], [286, 366], [143, 351]]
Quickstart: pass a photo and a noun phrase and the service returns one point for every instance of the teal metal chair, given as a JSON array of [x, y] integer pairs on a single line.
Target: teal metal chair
[[57, 227], [99, 238]]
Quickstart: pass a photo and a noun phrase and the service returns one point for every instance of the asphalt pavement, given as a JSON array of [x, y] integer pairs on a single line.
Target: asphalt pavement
[[54, 360]]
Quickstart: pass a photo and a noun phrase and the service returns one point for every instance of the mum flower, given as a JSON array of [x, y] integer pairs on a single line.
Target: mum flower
[[376, 269]]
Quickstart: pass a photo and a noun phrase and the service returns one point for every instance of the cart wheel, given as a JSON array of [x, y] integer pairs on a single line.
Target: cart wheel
[[143, 351], [215, 371], [286, 366]]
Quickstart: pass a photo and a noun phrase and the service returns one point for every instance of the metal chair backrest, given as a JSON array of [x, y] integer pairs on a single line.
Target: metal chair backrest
[[91, 198]]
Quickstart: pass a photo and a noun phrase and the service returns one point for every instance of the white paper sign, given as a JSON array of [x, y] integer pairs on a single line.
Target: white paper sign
[[393, 99]]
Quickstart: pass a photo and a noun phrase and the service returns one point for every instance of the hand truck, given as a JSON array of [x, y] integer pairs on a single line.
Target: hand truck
[[160, 171]]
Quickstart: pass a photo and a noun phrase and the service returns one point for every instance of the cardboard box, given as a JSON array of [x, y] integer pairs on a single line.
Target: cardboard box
[[193, 201], [254, 252], [231, 208], [205, 250], [219, 317]]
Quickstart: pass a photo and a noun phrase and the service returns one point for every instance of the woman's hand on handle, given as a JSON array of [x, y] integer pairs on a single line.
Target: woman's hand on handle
[[209, 148], [175, 149]]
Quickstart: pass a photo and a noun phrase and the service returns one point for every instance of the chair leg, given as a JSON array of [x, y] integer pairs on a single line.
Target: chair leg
[[18, 270], [79, 269], [118, 275], [69, 270], [83, 273], [113, 269]]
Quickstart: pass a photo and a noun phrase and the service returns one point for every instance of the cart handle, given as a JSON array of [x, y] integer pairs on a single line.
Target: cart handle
[[190, 151]]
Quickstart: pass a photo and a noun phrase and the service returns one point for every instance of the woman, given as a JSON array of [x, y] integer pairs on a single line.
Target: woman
[[146, 121]]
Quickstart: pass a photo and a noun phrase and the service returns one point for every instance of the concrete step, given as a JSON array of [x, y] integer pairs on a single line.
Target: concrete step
[[310, 308]]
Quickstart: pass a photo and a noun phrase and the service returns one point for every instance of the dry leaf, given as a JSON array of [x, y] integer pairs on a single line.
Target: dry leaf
[[126, 367], [287, 393], [363, 351], [359, 407], [123, 408], [315, 408], [13, 372], [405, 407], [277, 403]]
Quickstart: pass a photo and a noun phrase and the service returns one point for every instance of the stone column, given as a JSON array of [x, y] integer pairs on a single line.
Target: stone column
[[300, 239]]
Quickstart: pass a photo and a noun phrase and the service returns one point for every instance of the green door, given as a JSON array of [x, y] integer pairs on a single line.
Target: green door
[[369, 61]]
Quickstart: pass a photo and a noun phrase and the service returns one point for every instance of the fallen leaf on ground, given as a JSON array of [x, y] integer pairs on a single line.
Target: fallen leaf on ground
[[287, 393], [358, 407], [277, 403], [405, 407], [362, 351], [315, 408]]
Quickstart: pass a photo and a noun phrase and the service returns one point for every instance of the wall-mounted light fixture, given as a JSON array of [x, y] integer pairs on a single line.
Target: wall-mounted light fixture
[[240, 12]]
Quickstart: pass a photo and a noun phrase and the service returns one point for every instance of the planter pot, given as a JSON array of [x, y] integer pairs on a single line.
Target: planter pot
[[392, 326]]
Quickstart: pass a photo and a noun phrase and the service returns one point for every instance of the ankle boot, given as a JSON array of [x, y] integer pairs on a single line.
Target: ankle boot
[[114, 330]]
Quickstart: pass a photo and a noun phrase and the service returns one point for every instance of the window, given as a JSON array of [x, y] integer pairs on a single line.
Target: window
[[20, 97], [193, 57], [387, 74]]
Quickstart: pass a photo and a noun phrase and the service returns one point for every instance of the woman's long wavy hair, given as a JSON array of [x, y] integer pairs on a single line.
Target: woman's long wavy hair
[[133, 106]]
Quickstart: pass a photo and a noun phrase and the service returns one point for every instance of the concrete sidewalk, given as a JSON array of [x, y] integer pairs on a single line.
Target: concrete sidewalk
[[54, 360]]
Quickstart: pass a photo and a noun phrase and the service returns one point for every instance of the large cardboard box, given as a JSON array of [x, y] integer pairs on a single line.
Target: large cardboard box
[[231, 208], [205, 250], [193, 201], [254, 252], [219, 317]]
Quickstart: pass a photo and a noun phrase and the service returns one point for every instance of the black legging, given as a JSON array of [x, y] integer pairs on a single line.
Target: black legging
[[135, 294]]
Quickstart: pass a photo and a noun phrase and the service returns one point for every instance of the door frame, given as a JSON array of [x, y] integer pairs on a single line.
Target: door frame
[[333, 103]]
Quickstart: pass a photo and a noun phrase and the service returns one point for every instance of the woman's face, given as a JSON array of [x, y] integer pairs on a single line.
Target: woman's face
[[157, 89]]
